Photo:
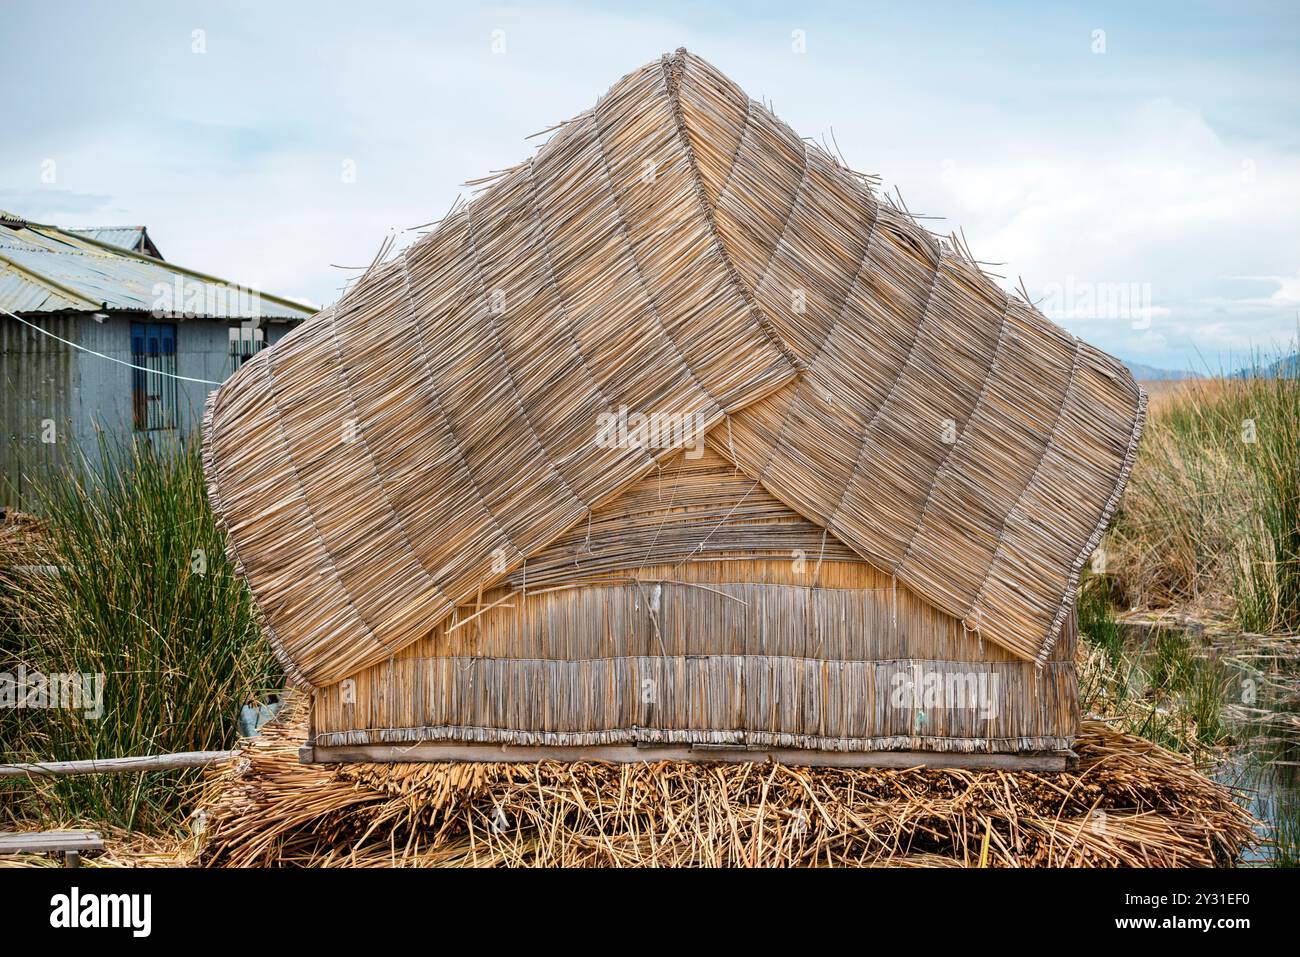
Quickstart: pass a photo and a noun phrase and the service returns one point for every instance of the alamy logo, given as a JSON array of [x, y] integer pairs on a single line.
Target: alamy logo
[[658, 430], [925, 690], [75, 909], [75, 691], [189, 298]]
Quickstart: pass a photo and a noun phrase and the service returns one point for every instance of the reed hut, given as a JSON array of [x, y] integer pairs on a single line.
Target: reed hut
[[677, 442]]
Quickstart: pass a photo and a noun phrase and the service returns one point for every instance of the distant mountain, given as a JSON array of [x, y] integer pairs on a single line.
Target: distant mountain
[[1152, 374], [1287, 366]]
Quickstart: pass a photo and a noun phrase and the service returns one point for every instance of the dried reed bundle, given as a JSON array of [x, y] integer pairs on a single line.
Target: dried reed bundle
[[1130, 803], [673, 250]]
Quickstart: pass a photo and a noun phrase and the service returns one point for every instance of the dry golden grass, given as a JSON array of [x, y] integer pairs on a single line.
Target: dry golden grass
[[1210, 522], [23, 539], [1129, 803], [1160, 391]]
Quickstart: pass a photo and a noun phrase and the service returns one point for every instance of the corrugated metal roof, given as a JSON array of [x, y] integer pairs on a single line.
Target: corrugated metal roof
[[134, 238], [47, 269]]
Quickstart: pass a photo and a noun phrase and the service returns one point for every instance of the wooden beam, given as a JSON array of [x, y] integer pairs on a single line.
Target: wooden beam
[[46, 842], [153, 762], [629, 754], [45, 571]]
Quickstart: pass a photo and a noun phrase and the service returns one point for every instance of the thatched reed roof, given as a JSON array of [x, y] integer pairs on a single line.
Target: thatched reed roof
[[676, 249]]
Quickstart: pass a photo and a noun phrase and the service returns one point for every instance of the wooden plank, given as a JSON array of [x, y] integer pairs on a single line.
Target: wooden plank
[[628, 754], [59, 842], [153, 762], [44, 571]]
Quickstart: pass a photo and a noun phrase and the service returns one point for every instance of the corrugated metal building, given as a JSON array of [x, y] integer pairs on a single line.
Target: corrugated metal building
[[80, 308], [134, 238]]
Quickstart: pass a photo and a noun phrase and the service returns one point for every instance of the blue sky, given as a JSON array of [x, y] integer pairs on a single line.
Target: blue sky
[[1144, 180]]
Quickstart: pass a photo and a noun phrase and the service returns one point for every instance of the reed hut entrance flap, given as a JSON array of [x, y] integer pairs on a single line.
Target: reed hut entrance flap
[[677, 250]]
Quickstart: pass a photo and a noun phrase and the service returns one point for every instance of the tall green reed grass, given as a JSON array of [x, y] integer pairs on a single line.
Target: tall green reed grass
[[1213, 507], [147, 598], [1164, 686]]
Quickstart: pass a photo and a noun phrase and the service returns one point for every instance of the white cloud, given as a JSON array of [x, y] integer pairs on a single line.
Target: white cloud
[[1167, 204], [1058, 169], [1286, 294]]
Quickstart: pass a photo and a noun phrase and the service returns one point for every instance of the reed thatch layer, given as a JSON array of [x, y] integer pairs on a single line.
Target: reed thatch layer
[[678, 251], [946, 431], [1129, 803]]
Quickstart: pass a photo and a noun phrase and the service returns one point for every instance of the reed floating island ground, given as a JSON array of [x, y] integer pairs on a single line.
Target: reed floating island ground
[[1128, 803]]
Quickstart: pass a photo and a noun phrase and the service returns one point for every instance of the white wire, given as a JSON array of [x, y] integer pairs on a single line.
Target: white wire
[[129, 365]]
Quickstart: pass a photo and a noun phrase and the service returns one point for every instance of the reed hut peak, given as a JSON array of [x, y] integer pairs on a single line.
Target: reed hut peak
[[678, 438]]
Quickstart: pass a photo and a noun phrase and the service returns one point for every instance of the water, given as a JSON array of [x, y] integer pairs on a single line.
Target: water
[[1264, 761]]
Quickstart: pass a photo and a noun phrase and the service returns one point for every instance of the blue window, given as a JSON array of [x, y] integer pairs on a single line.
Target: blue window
[[245, 342], [153, 390]]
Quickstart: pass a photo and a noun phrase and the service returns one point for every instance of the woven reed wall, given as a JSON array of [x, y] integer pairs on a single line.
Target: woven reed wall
[[431, 434], [635, 633], [673, 660]]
